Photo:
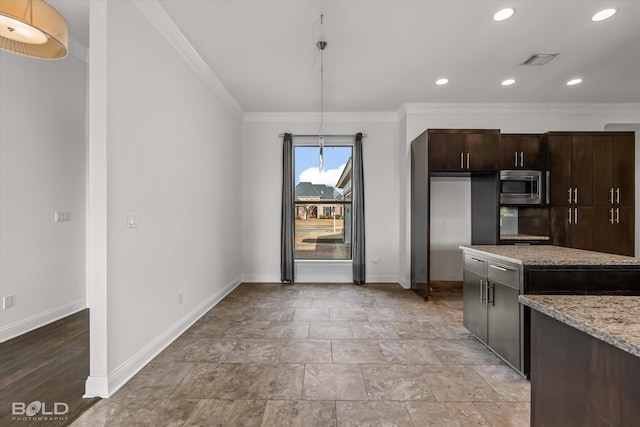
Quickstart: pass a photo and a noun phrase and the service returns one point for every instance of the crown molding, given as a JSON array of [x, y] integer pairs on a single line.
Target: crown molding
[[158, 16], [576, 108], [332, 117]]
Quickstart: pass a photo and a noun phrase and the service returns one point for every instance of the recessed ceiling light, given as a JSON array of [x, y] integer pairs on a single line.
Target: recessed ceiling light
[[503, 14], [508, 82], [441, 82], [574, 82], [603, 14]]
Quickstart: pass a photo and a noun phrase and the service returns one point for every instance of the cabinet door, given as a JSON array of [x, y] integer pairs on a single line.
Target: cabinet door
[[603, 228], [504, 322], [602, 170], [581, 228], [624, 169], [509, 151], [482, 149], [560, 227], [623, 234], [474, 301], [446, 152], [530, 152], [559, 169], [582, 170]]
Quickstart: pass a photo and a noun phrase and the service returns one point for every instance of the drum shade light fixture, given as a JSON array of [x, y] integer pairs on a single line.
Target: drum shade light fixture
[[33, 28]]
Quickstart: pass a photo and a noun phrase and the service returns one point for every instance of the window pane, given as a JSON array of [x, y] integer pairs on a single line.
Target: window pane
[[322, 203]]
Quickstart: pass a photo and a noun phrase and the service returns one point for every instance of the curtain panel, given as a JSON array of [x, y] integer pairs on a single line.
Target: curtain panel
[[286, 226], [358, 242]]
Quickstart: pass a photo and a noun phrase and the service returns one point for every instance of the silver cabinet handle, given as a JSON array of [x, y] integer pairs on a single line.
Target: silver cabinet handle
[[575, 215], [569, 191], [617, 215], [521, 158], [569, 215], [548, 195], [467, 160], [461, 161], [611, 195], [611, 215], [481, 291], [515, 159], [497, 267], [618, 195], [575, 195], [492, 287], [476, 259]]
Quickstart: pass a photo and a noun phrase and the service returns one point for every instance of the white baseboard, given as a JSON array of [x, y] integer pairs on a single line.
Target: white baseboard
[[41, 319], [95, 387], [324, 277], [261, 278]]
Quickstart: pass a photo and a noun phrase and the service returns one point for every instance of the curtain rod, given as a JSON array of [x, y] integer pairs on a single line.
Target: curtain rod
[[364, 135]]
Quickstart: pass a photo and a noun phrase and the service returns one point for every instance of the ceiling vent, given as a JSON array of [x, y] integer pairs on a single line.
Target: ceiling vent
[[540, 59]]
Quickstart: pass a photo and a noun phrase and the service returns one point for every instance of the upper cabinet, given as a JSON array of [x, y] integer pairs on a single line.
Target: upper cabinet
[[463, 150], [521, 151], [592, 190], [571, 169]]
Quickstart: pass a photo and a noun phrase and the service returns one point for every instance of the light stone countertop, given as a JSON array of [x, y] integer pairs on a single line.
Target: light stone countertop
[[549, 255], [613, 319], [522, 237]]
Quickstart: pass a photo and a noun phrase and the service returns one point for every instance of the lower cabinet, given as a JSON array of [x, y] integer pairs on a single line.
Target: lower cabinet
[[491, 308]]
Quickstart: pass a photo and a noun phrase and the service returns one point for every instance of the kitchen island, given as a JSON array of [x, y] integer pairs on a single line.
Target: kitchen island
[[495, 276], [585, 359]]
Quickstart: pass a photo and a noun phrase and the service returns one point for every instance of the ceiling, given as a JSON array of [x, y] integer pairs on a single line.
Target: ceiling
[[382, 53]]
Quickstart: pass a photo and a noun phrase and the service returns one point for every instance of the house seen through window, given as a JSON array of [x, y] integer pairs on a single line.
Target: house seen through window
[[322, 203]]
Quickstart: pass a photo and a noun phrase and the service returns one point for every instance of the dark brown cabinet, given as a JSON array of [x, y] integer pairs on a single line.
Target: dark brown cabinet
[[570, 169], [521, 151], [571, 226], [463, 150], [592, 190]]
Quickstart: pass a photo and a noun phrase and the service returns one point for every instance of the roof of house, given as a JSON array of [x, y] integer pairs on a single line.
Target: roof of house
[[309, 191]]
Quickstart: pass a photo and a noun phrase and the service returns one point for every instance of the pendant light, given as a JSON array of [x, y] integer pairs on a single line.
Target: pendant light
[[321, 45], [32, 28]]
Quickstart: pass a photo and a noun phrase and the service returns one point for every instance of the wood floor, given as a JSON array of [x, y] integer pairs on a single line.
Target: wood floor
[[47, 365]]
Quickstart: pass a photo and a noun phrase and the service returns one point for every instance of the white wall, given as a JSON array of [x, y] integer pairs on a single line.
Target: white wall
[[172, 157], [262, 186], [525, 118], [42, 170]]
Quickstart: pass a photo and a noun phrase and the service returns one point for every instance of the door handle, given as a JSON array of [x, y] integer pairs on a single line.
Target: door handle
[[515, 159], [618, 195], [491, 286], [611, 215], [611, 195], [617, 215], [461, 160], [497, 267], [569, 191], [575, 195], [467, 160], [575, 215], [521, 158], [569, 215]]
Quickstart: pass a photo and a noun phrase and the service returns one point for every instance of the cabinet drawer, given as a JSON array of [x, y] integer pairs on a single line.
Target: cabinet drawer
[[505, 274], [475, 264]]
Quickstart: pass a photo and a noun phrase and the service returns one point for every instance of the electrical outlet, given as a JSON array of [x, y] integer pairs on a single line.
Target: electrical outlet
[[179, 298], [62, 216], [7, 302]]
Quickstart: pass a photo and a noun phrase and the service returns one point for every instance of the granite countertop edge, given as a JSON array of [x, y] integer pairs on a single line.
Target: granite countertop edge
[[588, 329], [549, 255]]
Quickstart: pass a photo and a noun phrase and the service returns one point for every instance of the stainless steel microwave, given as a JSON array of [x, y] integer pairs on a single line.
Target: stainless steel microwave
[[521, 187]]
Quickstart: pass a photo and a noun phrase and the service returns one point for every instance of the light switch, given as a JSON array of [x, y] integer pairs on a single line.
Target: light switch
[[62, 216], [132, 220]]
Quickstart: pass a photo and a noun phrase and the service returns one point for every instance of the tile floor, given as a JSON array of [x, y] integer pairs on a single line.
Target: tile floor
[[323, 355]]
